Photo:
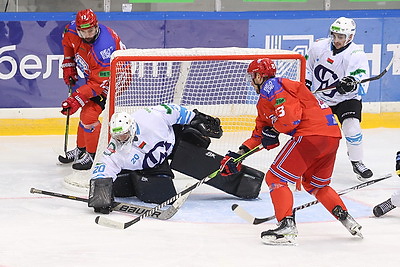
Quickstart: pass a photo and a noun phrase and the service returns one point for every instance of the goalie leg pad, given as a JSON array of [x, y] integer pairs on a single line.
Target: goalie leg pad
[[123, 186], [154, 188], [100, 195], [198, 163]]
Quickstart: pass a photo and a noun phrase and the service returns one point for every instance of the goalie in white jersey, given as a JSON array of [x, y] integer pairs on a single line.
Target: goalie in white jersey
[[135, 162], [338, 63]]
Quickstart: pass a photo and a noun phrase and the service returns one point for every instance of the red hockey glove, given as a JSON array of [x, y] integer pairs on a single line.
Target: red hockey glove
[[70, 74], [269, 138], [228, 167], [73, 103]]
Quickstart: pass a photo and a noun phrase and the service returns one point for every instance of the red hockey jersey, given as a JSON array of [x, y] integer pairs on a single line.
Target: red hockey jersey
[[92, 59], [292, 109]]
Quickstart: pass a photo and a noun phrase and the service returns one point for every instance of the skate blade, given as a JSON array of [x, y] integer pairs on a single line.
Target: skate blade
[[361, 179], [359, 234], [284, 241]]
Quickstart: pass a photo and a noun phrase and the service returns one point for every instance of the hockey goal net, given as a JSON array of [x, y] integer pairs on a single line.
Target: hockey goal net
[[213, 80]]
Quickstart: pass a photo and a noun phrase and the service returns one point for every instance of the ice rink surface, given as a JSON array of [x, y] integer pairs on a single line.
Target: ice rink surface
[[38, 230]]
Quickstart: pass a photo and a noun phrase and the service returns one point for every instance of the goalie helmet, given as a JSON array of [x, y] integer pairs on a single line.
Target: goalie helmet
[[122, 127], [265, 66], [344, 26], [86, 19]]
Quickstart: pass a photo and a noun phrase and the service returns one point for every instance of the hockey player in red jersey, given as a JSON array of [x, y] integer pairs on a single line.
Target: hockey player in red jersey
[[88, 46], [288, 107]]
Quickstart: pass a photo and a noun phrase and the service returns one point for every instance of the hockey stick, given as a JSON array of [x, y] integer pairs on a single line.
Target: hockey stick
[[101, 220], [123, 207], [242, 213], [67, 121], [362, 81]]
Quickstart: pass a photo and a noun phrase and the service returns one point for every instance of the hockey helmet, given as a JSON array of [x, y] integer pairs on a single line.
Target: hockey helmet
[[122, 127], [86, 19], [344, 26], [265, 66]]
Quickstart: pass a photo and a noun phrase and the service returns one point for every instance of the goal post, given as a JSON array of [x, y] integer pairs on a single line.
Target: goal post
[[212, 80]]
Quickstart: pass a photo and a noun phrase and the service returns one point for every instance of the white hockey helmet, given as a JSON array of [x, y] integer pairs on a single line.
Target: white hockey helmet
[[344, 26], [122, 127]]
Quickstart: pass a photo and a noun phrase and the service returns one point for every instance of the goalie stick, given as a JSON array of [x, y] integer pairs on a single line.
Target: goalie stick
[[242, 213], [124, 207], [362, 81], [101, 220]]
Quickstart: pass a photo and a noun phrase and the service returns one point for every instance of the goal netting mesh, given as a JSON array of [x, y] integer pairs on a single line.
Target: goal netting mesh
[[212, 80]]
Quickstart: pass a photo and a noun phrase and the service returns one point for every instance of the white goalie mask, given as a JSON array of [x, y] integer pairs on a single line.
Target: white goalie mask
[[344, 26], [122, 127]]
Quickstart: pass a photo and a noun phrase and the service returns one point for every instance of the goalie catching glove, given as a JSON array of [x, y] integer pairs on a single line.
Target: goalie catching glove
[[73, 103], [346, 85], [207, 125], [228, 167]]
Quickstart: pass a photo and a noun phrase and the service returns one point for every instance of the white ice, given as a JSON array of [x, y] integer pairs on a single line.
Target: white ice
[[38, 230]]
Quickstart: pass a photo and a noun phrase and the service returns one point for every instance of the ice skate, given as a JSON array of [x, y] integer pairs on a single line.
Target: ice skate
[[348, 221], [284, 234], [383, 208], [362, 172], [84, 163], [72, 155]]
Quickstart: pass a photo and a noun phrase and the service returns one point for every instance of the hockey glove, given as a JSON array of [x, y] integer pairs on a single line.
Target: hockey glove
[[398, 163], [207, 125], [346, 84], [228, 167], [270, 138], [101, 195], [70, 74], [73, 103]]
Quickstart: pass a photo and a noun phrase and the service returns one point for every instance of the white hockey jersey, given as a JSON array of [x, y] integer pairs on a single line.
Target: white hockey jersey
[[154, 141], [324, 69]]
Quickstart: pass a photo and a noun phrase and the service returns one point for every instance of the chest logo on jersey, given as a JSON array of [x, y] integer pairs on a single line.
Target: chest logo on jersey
[[325, 76], [157, 154], [82, 64], [106, 53], [330, 61]]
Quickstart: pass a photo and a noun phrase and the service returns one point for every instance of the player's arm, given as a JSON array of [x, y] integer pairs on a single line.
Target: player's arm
[[70, 73], [357, 70], [101, 184], [310, 66], [176, 114]]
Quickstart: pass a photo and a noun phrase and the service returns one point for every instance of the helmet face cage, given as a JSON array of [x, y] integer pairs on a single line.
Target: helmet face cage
[[86, 19], [265, 66], [344, 26], [122, 127]]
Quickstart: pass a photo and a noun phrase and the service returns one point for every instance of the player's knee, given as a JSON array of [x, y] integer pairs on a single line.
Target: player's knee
[[90, 127], [352, 131], [312, 190], [273, 181]]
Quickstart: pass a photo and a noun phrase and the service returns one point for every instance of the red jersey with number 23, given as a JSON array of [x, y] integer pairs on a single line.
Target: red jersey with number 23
[[292, 109]]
